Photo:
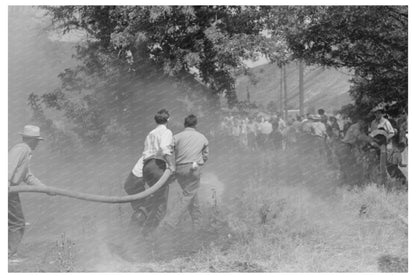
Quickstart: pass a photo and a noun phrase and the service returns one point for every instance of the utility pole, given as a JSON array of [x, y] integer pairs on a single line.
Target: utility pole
[[301, 89], [281, 90]]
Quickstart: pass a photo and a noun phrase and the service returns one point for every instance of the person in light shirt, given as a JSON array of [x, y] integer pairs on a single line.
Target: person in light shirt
[[19, 172], [265, 129], [157, 157], [191, 153], [381, 123]]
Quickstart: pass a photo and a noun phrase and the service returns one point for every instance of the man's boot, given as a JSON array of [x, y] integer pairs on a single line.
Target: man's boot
[[15, 237]]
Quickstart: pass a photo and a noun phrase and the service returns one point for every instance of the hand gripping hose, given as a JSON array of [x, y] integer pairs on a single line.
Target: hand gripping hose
[[92, 197]]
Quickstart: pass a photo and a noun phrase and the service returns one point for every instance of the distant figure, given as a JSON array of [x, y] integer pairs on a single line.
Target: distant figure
[[308, 125], [265, 129], [243, 138], [19, 171], [394, 161], [157, 156], [191, 153], [348, 150], [252, 134], [276, 136], [282, 127], [324, 117], [319, 128], [334, 130], [294, 130]]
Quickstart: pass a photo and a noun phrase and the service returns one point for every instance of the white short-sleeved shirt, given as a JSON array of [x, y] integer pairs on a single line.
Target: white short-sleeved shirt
[[158, 143]]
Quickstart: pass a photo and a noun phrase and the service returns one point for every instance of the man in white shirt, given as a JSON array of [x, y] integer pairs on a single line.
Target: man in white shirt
[[157, 157]]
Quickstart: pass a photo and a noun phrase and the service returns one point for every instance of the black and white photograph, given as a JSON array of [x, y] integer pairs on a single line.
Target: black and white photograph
[[244, 138]]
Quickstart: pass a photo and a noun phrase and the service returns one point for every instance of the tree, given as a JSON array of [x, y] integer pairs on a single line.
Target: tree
[[123, 44], [371, 40]]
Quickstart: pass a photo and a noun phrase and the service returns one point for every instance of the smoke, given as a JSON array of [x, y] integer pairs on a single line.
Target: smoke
[[102, 231]]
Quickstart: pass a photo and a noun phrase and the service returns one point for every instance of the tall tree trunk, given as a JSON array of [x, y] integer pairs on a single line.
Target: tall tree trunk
[[285, 92], [301, 89], [281, 90]]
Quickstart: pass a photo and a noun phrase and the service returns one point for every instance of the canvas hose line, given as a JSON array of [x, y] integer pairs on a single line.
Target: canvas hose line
[[92, 197]]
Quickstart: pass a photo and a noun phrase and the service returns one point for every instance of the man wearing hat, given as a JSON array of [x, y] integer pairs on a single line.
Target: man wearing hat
[[19, 171], [381, 123]]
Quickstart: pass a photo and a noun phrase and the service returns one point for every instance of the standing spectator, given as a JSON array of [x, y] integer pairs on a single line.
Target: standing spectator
[[394, 161], [348, 151], [276, 136], [334, 129], [191, 152], [282, 128], [323, 116], [236, 128], [381, 123], [19, 171], [297, 123], [265, 129], [243, 133], [346, 125], [403, 129], [307, 126], [252, 134]]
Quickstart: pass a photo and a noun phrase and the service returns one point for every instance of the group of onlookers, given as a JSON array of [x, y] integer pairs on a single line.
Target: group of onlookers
[[342, 140], [253, 132]]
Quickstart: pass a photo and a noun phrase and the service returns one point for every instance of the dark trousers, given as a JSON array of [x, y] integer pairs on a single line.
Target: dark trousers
[[149, 211], [396, 173], [134, 185], [16, 221]]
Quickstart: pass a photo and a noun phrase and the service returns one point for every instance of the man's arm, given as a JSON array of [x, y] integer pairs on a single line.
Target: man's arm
[[389, 129], [167, 145], [205, 152], [30, 179], [15, 156]]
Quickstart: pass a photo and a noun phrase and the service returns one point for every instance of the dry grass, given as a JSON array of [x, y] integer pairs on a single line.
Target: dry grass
[[313, 226], [270, 222], [299, 232]]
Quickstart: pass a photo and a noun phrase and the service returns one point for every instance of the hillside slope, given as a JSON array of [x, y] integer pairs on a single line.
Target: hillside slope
[[324, 88]]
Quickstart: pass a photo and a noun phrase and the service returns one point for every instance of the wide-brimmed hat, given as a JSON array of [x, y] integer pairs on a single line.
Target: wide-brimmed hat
[[31, 131], [380, 107]]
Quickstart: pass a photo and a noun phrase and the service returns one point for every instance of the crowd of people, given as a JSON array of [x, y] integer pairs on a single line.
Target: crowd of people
[[262, 130], [346, 142]]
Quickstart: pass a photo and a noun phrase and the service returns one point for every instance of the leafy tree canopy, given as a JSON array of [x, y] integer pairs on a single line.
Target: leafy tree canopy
[[371, 40], [126, 43], [123, 44]]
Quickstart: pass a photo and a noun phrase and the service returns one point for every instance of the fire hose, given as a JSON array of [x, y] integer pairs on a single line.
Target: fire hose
[[92, 197]]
